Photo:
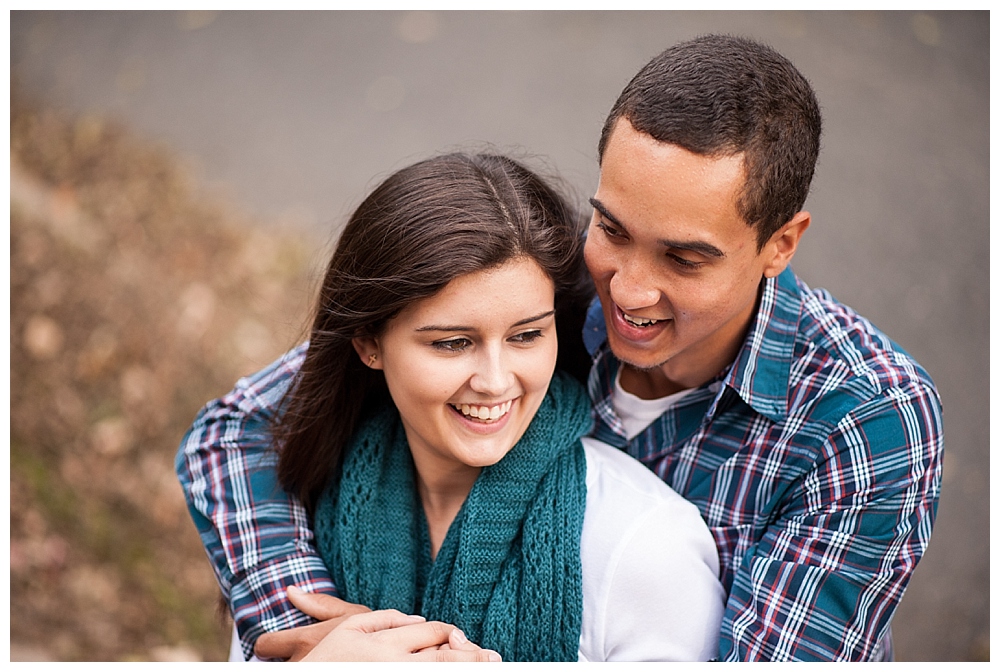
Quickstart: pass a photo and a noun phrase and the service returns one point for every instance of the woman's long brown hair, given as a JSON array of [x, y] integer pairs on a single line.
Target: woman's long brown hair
[[422, 227]]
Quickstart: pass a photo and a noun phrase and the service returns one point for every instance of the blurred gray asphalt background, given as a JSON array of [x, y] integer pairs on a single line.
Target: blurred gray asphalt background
[[295, 115]]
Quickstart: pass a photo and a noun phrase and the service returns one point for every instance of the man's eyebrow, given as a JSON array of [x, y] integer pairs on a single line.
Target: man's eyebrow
[[601, 208], [698, 246], [519, 323]]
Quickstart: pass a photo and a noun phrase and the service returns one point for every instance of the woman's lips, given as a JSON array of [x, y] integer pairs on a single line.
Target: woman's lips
[[486, 425], [487, 413]]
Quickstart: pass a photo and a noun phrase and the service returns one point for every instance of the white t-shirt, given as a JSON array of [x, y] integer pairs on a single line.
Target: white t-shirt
[[637, 413], [651, 588]]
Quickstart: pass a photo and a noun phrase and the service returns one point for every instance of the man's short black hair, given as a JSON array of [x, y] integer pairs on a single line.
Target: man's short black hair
[[720, 95]]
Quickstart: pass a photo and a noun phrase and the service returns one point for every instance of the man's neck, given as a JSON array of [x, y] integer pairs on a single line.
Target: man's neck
[[648, 383]]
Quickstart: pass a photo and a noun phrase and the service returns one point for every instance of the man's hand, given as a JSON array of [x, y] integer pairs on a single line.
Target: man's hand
[[352, 632], [295, 643]]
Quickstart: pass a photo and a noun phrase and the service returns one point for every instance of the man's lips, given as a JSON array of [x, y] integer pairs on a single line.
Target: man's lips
[[636, 328], [639, 321]]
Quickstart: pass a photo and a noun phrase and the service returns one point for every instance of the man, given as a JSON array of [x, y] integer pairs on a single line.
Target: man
[[810, 442]]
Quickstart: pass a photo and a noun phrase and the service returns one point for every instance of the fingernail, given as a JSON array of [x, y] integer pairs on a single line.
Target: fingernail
[[494, 656], [417, 617], [294, 589], [460, 636]]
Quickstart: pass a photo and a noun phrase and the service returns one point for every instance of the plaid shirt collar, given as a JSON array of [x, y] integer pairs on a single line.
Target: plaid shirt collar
[[759, 374]]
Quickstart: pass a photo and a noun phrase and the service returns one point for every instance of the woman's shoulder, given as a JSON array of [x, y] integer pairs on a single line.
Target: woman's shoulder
[[620, 480], [650, 565], [626, 500]]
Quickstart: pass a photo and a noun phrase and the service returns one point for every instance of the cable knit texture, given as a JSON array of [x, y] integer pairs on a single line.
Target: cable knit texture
[[508, 573]]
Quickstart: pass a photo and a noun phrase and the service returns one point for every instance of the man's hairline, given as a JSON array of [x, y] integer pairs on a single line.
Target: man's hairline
[[721, 154]]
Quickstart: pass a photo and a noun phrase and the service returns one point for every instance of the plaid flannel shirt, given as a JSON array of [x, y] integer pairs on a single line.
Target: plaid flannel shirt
[[257, 536], [815, 459]]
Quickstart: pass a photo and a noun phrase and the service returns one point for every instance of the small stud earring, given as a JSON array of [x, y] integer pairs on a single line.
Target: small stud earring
[[372, 358]]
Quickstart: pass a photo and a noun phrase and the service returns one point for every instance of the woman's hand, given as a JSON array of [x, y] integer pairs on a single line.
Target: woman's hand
[[350, 632], [390, 635], [294, 643]]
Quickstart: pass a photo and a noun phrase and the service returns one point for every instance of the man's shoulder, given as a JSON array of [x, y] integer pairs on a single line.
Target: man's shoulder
[[261, 393], [843, 358]]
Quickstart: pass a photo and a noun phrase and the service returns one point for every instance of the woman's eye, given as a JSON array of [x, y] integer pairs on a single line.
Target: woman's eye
[[527, 336], [452, 345]]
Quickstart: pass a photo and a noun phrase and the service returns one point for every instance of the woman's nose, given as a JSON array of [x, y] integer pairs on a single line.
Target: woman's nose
[[493, 375]]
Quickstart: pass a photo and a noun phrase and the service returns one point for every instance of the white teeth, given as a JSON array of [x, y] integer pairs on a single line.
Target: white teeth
[[639, 321], [486, 413]]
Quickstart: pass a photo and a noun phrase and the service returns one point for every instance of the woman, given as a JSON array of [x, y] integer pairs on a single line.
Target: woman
[[442, 456]]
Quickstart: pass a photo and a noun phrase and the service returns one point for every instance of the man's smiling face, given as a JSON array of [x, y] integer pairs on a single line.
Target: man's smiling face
[[676, 267]]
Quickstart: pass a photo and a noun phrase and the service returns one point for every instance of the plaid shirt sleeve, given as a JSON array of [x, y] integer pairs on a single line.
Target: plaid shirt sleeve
[[256, 535], [824, 580]]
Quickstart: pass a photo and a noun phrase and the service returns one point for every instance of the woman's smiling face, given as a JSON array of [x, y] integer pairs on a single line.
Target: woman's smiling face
[[468, 367]]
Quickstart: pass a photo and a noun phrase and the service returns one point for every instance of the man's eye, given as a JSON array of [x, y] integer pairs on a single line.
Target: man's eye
[[527, 336], [684, 263], [609, 230], [452, 344]]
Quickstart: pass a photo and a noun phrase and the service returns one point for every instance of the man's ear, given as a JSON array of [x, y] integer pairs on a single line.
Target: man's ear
[[368, 350], [780, 249]]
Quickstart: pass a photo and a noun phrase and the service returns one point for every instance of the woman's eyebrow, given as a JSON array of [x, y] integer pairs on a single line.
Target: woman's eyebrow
[[458, 327], [444, 327], [529, 320]]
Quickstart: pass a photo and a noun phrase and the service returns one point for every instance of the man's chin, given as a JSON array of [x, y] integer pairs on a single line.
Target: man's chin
[[637, 361]]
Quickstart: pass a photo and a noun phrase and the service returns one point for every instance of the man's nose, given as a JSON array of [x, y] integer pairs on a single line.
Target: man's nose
[[632, 288]]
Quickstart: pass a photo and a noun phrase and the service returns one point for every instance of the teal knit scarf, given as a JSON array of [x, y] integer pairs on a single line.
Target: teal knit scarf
[[508, 573]]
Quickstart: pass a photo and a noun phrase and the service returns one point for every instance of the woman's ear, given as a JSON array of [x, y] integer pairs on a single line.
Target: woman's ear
[[368, 350]]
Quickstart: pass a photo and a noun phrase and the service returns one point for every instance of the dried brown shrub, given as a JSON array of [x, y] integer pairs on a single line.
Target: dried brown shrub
[[134, 300]]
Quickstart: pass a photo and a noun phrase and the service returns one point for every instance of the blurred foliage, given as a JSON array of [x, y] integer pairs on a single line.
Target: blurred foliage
[[134, 300]]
